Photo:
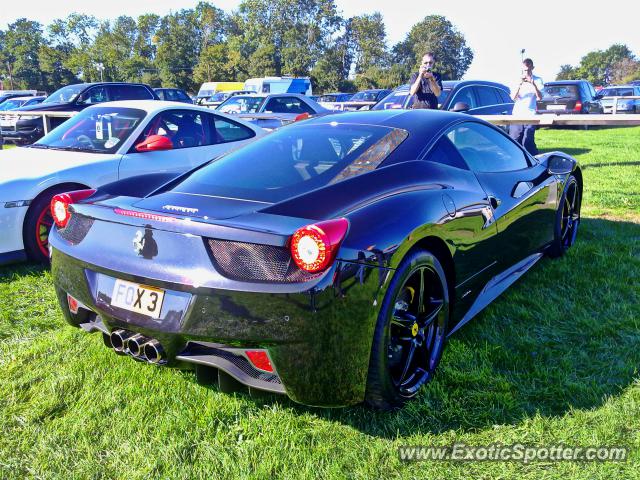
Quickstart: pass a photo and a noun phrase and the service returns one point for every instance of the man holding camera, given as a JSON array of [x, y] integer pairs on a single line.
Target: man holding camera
[[426, 85], [525, 98]]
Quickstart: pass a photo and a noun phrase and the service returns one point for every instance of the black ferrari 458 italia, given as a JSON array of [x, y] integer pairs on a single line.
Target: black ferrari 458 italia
[[328, 261]]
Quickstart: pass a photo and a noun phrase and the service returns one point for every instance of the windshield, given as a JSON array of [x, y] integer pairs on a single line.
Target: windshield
[[364, 97], [65, 94], [295, 160], [614, 92], [11, 104], [219, 97], [398, 98], [205, 93], [240, 104], [96, 130], [560, 91]]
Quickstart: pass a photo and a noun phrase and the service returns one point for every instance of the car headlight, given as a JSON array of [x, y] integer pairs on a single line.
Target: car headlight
[[17, 203]]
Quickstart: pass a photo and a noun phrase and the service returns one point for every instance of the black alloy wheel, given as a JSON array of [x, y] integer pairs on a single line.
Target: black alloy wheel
[[567, 218], [411, 331]]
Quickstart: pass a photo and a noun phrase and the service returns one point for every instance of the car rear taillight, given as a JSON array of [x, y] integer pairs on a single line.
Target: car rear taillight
[[259, 359], [578, 107], [60, 205], [315, 246]]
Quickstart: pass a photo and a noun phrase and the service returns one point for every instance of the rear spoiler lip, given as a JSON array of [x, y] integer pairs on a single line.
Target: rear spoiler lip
[[260, 228]]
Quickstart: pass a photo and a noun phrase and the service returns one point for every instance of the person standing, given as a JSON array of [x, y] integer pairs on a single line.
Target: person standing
[[525, 97], [426, 85]]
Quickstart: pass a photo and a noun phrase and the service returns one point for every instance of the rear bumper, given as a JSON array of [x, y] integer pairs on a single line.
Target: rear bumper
[[318, 338]]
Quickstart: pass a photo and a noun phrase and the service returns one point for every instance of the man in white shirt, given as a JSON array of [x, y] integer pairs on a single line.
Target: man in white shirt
[[525, 98]]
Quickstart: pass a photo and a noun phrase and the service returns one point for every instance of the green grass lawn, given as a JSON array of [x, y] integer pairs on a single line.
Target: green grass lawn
[[554, 360]]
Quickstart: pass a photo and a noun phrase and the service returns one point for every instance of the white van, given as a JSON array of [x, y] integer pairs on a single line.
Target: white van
[[300, 85]]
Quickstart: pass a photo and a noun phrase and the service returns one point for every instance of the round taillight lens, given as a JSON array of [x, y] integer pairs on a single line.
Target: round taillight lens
[[60, 205], [60, 209], [314, 247]]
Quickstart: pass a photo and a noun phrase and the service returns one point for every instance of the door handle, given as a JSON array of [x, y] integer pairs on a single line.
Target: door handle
[[494, 201]]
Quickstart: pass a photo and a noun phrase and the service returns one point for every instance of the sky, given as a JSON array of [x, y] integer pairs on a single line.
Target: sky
[[552, 32]]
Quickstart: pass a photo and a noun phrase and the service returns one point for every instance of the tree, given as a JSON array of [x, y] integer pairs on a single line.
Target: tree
[[625, 71], [438, 35], [567, 72], [600, 66], [368, 38]]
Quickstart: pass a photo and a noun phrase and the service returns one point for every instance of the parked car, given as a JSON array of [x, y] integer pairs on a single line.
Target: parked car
[[72, 98], [217, 98], [208, 89], [569, 96], [9, 94], [285, 84], [328, 100], [328, 261], [475, 97], [623, 105], [173, 95], [101, 144], [272, 111], [362, 100], [17, 102]]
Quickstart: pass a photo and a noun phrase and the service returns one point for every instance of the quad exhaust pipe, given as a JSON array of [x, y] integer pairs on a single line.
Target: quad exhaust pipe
[[137, 345]]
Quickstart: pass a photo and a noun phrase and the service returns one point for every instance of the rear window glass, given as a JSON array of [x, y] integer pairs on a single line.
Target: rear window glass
[[560, 91], [295, 160], [241, 105]]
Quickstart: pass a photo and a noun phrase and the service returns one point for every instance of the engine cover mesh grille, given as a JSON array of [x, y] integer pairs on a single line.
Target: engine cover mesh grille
[[76, 229], [256, 263]]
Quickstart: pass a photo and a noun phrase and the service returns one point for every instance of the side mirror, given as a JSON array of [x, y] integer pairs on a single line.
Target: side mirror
[[154, 143], [460, 107], [558, 164]]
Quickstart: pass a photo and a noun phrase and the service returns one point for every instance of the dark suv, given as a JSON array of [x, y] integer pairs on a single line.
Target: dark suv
[[569, 96], [475, 97], [72, 98]]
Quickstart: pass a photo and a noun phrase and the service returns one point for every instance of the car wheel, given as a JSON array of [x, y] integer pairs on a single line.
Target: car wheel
[[37, 225], [410, 331], [567, 219]]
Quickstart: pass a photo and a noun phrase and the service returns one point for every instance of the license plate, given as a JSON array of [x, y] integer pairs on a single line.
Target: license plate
[[137, 298], [556, 107]]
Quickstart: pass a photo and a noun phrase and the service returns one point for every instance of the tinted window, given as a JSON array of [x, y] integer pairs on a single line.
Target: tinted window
[[228, 131], [94, 95], [560, 91], [65, 94], [487, 150], [504, 96], [129, 92], [393, 100], [486, 96], [464, 95], [184, 128], [287, 105], [444, 152], [181, 96], [295, 160]]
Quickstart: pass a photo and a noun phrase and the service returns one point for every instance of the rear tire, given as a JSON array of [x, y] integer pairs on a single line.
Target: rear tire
[[37, 225], [567, 219], [410, 332]]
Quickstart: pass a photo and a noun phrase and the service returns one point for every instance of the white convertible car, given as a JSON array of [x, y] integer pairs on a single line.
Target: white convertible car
[[102, 144]]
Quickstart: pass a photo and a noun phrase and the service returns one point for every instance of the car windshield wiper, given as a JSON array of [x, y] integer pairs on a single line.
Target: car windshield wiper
[[37, 145], [75, 149]]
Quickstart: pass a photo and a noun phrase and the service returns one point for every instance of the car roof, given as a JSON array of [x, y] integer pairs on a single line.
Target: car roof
[[28, 97], [151, 106]]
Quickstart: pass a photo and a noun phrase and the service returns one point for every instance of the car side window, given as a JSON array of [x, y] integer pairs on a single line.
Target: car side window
[[487, 150], [129, 92], [444, 152], [503, 96], [94, 95], [287, 105], [185, 129], [486, 96], [229, 131], [464, 95]]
